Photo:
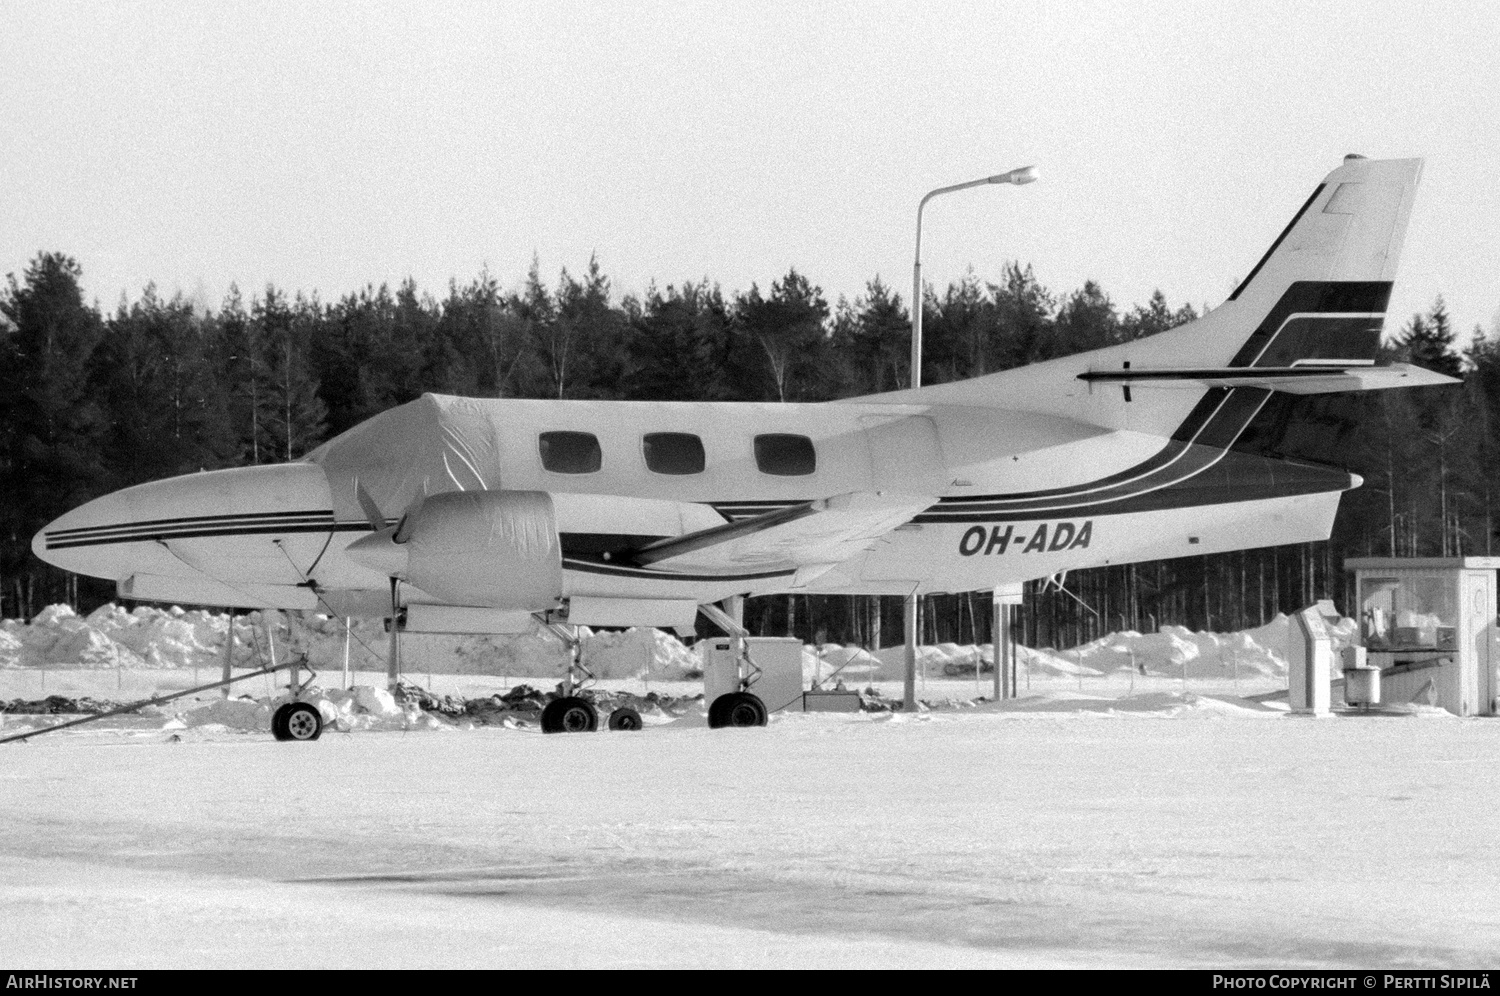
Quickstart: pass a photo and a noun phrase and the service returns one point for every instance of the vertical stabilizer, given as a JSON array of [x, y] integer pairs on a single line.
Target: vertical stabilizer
[[1350, 229], [1319, 293], [1317, 297]]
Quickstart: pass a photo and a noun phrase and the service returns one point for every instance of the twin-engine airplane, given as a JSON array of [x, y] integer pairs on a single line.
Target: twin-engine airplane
[[479, 515]]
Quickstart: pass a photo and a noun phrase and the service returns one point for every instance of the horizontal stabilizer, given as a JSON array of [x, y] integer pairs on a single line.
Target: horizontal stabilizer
[[1311, 379]]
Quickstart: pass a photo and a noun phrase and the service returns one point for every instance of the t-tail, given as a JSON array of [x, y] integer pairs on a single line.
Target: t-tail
[[1306, 319]]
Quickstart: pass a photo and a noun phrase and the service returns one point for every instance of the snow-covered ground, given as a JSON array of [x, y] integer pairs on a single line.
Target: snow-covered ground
[[1105, 818]]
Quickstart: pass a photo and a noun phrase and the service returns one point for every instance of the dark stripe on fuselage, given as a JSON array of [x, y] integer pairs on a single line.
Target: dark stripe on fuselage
[[1215, 420], [151, 536], [195, 521], [1234, 412], [1236, 477]]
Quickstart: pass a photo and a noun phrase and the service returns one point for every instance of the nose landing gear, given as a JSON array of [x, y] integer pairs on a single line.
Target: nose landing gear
[[297, 721]]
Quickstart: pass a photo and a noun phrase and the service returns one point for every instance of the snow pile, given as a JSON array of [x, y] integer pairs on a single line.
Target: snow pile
[[58, 636], [170, 638], [1176, 650], [167, 638], [160, 637], [853, 664], [956, 660], [359, 708], [1172, 651], [236, 714], [110, 637], [636, 653]]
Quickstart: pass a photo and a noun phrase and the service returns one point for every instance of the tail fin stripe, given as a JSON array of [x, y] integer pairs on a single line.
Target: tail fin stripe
[[1287, 333], [1323, 339], [1314, 297]]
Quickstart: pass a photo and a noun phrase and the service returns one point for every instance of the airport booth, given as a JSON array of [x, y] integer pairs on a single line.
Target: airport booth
[[1428, 625]]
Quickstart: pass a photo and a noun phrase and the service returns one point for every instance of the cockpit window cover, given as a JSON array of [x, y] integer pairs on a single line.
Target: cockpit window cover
[[785, 455], [570, 452], [673, 452]]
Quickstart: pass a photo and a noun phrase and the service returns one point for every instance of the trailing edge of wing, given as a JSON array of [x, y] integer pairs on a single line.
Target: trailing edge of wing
[[1309, 379], [822, 532]]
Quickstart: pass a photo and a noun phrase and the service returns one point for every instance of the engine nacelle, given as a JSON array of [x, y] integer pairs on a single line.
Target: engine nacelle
[[496, 549]]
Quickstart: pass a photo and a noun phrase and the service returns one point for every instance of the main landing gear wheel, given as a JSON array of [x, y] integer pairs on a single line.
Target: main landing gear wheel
[[570, 714], [625, 718], [737, 709], [297, 721]]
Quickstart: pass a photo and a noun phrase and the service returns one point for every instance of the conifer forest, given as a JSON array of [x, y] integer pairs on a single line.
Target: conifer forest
[[92, 400]]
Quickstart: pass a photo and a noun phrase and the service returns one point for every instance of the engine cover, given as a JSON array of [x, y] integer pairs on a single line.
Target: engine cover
[[497, 549]]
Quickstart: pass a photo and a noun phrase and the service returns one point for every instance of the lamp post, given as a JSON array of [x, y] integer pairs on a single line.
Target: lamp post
[[1016, 176], [1024, 175]]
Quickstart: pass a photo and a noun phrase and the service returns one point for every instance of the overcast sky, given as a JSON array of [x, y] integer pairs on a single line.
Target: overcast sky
[[323, 146]]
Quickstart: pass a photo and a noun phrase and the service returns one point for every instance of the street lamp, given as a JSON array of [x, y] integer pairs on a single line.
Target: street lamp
[[1024, 175], [909, 604]]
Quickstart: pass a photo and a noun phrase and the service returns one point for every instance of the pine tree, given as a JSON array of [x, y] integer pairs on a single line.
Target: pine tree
[[1023, 315], [1155, 316], [51, 425], [155, 371], [587, 343], [871, 339], [786, 331], [491, 339], [678, 341], [1427, 341], [1086, 320], [243, 350], [960, 333], [291, 419]]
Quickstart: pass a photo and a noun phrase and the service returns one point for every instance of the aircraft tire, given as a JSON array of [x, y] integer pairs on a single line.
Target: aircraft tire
[[570, 714], [278, 722], [625, 718], [737, 709], [297, 721]]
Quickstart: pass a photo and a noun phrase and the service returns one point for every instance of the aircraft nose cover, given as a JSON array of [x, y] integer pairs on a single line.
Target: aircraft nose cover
[[498, 549]]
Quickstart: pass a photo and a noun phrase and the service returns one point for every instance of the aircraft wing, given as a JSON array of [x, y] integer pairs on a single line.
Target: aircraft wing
[[809, 537], [1307, 379]]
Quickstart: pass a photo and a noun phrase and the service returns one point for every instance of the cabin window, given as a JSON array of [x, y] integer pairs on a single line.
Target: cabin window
[[570, 452], [785, 455], [673, 452]]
